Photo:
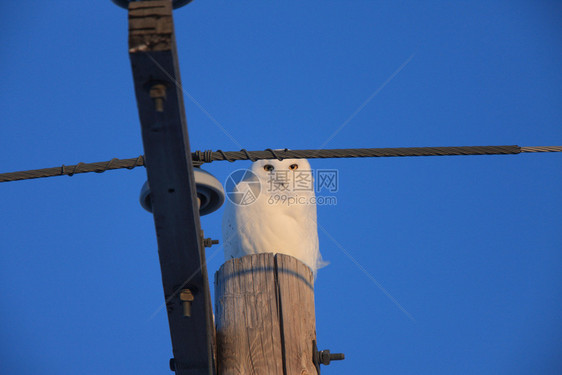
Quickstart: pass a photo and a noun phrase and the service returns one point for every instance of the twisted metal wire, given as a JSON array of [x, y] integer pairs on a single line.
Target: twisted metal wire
[[208, 156], [71, 170], [542, 149]]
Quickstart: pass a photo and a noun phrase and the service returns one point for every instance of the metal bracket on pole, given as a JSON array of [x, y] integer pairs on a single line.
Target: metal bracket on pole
[[324, 357]]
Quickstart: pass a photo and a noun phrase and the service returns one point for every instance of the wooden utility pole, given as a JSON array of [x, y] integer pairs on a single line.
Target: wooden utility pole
[[265, 316], [265, 302]]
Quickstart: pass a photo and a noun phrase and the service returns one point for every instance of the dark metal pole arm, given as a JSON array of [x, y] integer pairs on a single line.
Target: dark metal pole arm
[[167, 158]]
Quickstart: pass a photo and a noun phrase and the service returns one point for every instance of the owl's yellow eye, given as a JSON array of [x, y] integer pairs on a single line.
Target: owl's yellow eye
[[268, 167], [294, 167]]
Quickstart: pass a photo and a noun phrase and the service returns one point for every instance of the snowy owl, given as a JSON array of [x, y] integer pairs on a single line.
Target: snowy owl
[[274, 211]]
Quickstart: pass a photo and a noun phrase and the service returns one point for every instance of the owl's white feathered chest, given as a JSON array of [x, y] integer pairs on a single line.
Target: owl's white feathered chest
[[267, 226]]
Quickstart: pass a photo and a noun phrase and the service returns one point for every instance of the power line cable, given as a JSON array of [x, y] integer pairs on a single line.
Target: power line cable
[[70, 170], [201, 157]]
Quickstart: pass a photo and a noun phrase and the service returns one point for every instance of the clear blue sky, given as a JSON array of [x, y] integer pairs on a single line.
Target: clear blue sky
[[470, 247]]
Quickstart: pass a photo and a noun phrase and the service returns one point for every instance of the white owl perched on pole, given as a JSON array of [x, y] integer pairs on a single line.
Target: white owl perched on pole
[[272, 209]]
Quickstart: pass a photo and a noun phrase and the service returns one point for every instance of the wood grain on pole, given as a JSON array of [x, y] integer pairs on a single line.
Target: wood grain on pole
[[265, 316]]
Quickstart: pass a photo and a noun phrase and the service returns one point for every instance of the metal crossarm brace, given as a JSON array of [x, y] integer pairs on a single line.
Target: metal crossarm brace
[[152, 50]]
